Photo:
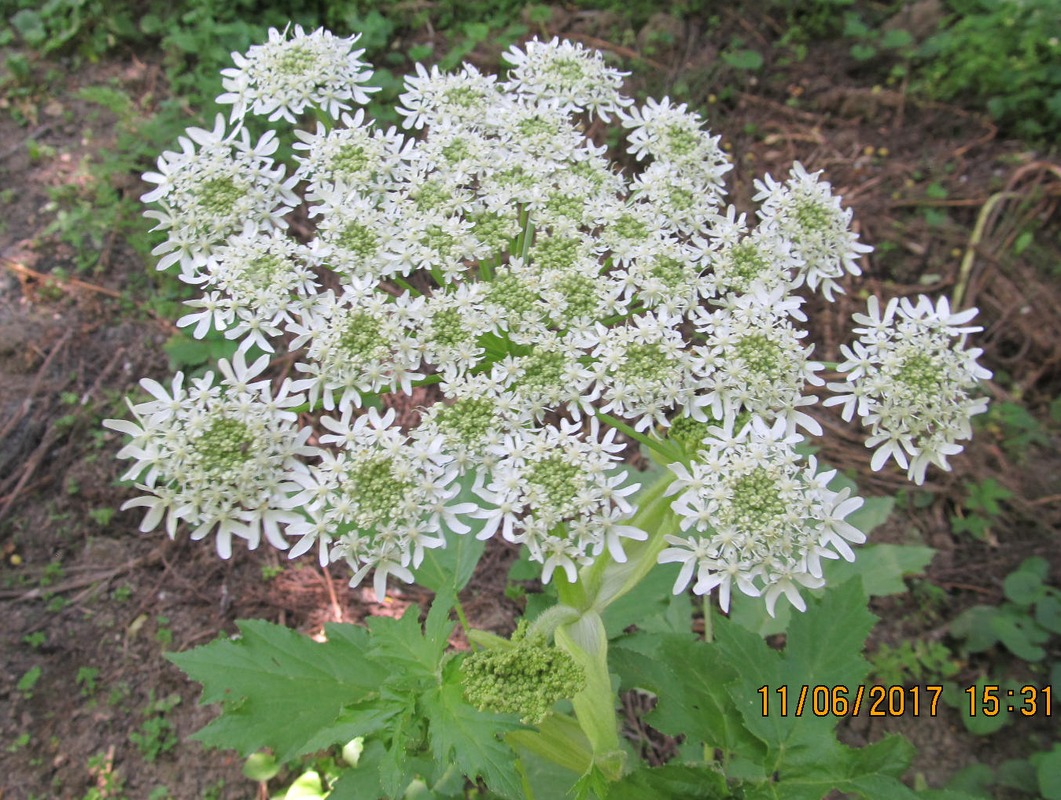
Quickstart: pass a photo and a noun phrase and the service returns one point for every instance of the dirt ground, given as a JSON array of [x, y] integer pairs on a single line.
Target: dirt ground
[[95, 605]]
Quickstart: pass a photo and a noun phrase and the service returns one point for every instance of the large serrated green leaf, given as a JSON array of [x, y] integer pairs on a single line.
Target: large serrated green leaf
[[462, 734], [279, 687], [825, 644], [672, 782], [689, 678], [404, 645], [823, 649]]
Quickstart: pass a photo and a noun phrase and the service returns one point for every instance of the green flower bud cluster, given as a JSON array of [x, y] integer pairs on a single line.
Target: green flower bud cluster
[[524, 676]]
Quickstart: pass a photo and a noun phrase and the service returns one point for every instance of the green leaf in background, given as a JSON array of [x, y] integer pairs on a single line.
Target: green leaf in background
[[881, 567], [744, 59], [184, 351], [1024, 585], [30, 27], [672, 782], [1048, 769]]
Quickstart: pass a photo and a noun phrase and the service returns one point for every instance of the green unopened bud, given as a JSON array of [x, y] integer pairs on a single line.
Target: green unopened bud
[[525, 676]]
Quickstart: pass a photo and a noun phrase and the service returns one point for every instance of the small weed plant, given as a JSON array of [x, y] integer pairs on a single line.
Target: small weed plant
[[536, 315]]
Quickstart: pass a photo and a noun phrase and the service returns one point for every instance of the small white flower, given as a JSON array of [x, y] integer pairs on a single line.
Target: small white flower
[[754, 359], [643, 371], [224, 458], [357, 343], [911, 380], [805, 213], [207, 193], [554, 490], [565, 72], [431, 97], [284, 76], [356, 156], [756, 516]]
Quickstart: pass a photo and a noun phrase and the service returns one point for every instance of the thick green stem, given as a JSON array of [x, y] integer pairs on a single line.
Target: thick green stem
[[579, 629]]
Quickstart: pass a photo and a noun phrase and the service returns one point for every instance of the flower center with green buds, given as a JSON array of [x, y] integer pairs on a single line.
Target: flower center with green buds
[[262, 272], [512, 294], [223, 446], [431, 196], [295, 60], [516, 176], [681, 199], [644, 363], [380, 494], [438, 239], [462, 96], [668, 271], [537, 127], [350, 160], [525, 676], [568, 206], [456, 151], [680, 140], [580, 295], [446, 327], [359, 239], [555, 253], [218, 196], [688, 434], [921, 373], [491, 229], [761, 355], [559, 481], [566, 71], [467, 421], [756, 502], [360, 337], [543, 371], [746, 264], [629, 227], [587, 171], [814, 216]]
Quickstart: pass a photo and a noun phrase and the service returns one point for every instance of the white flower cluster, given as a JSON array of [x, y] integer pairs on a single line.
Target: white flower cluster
[[223, 457], [910, 378], [757, 516], [495, 254]]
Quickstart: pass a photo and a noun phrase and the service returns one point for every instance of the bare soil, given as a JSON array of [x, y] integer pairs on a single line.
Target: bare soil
[[95, 605]]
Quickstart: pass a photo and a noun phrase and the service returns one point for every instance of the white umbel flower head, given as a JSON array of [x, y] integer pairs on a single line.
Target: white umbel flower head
[[805, 212], [756, 517], [223, 457], [355, 156], [281, 78], [381, 502], [754, 359], [357, 343], [912, 380], [262, 277], [214, 188], [465, 97], [643, 371], [577, 78], [675, 135], [555, 490]]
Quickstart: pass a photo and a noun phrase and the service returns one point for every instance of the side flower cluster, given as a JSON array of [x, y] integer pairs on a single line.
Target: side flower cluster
[[912, 381]]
